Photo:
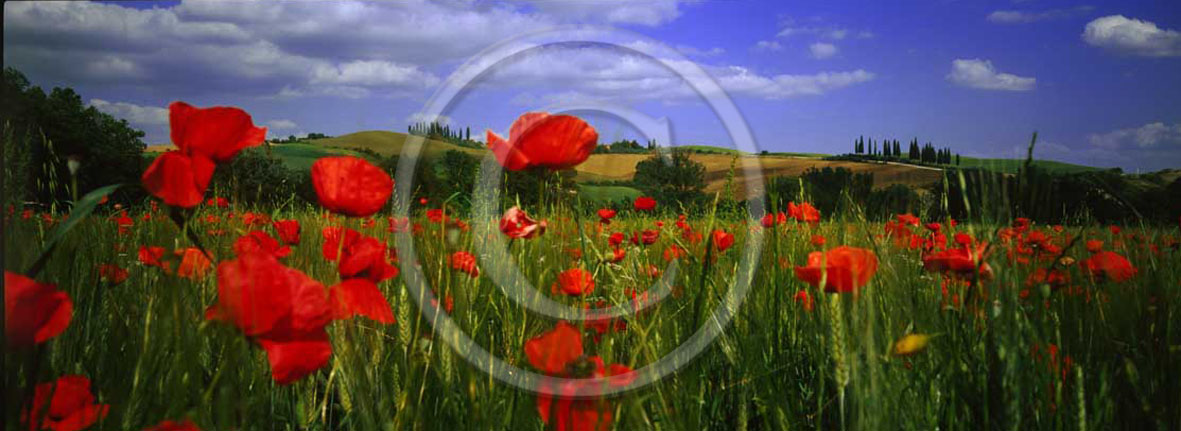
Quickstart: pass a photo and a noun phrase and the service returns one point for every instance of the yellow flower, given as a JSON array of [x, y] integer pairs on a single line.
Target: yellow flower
[[911, 344]]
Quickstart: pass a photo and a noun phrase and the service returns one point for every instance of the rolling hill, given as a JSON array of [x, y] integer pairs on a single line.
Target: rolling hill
[[608, 168], [621, 167]]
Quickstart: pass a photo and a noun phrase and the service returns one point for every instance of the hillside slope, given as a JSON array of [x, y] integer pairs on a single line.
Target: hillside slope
[[621, 167]]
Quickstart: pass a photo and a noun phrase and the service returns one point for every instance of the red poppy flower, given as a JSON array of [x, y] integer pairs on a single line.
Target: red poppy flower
[[606, 214], [907, 219], [1094, 246], [435, 215], [71, 406], [124, 223], [557, 353], [259, 242], [551, 351], [674, 252], [615, 239], [644, 203], [359, 296], [217, 133], [281, 308], [112, 273], [193, 263], [422, 201], [566, 412], [517, 224], [842, 269], [366, 257], [178, 179], [333, 236], [617, 255], [647, 237], [804, 212], [33, 312], [351, 185], [185, 425], [574, 282], [254, 219], [397, 225], [153, 256], [961, 261], [538, 139], [722, 240], [1056, 279], [818, 240], [465, 262], [768, 220], [803, 299], [1109, 265], [219, 202], [288, 231], [934, 227]]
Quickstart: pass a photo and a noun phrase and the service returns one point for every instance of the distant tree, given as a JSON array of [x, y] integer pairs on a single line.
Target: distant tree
[[678, 179]]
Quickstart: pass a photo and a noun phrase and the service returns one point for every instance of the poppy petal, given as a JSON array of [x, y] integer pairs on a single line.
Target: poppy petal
[[177, 179], [217, 133], [359, 296], [294, 359]]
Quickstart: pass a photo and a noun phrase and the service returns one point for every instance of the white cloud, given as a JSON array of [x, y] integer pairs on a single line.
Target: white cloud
[[649, 13], [371, 73], [281, 124], [980, 74], [254, 48], [137, 115], [1148, 136], [742, 81], [689, 50], [419, 117], [1132, 36], [1026, 17], [768, 45], [598, 74], [822, 50]]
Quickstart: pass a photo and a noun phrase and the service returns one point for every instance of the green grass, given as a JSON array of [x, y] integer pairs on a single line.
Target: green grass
[[607, 193], [1012, 166], [152, 356], [710, 149], [300, 156], [390, 143]]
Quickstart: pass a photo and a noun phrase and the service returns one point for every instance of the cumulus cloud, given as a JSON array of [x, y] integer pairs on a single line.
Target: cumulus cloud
[[649, 13], [1148, 136], [597, 74], [768, 45], [1132, 36], [137, 115], [281, 124], [980, 74], [1026, 17], [254, 48], [419, 117], [822, 50]]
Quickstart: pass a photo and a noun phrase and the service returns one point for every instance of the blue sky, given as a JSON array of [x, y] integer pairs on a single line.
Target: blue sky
[[1097, 80]]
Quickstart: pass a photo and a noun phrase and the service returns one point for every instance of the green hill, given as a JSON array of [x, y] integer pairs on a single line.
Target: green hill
[[388, 143], [1011, 166], [301, 155]]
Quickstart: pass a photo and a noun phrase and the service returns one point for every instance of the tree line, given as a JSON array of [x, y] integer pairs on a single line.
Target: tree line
[[892, 149]]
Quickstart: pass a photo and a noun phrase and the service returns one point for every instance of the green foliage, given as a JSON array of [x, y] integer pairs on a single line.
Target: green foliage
[[256, 178], [57, 126], [830, 190], [672, 179]]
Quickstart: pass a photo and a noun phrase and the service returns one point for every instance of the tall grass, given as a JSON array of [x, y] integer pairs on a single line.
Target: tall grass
[[153, 356]]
